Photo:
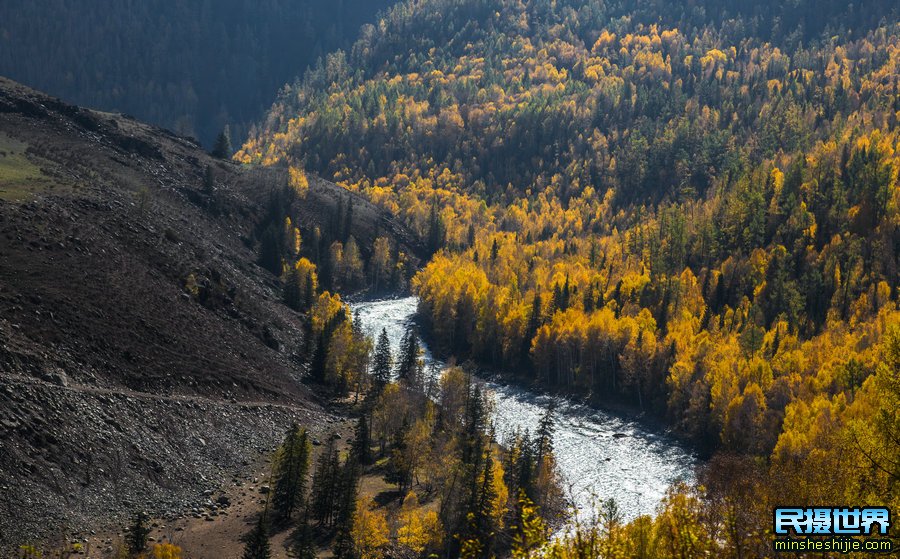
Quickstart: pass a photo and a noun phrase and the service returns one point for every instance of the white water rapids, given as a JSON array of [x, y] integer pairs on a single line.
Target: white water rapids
[[600, 456]]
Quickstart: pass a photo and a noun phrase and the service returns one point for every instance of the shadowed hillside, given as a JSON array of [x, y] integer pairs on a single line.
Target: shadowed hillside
[[189, 65], [144, 355]]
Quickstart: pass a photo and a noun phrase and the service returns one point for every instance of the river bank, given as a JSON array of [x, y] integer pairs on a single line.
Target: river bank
[[601, 455]]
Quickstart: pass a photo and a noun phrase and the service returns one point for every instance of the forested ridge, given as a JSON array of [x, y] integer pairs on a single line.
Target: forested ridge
[[193, 66], [692, 207]]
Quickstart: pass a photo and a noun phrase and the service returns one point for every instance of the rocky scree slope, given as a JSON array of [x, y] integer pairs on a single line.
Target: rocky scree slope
[[144, 356]]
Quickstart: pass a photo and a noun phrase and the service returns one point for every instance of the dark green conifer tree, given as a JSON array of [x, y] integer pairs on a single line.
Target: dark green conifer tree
[[291, 469], [362, 442], [409, 366], [292, 295], [324, 487], [481, 520], [270, 249], [222, 148], [348, 488], [318, 365], [382, 361], [137, 534], [544, 436], [309, 292]]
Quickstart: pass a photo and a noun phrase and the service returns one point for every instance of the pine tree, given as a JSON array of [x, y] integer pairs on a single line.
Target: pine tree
[[309, 292], [484, 518], [476, 420], [256, 544], [222, 148], [325, 265], [137, 534], [324, 488], [270, 249], [292, 295], [480, 527], [544, 434], [587, 299], [398, 471], [525, 467], [291, 470], [362, 442], [382, 361], [346, 509], [409, 367], [319, 363]]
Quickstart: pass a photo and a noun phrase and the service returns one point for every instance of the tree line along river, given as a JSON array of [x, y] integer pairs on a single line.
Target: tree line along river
[[600, 456]]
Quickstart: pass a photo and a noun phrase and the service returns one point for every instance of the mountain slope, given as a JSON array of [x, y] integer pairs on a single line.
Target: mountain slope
[[188, 65], [144, 355], [690, 207]]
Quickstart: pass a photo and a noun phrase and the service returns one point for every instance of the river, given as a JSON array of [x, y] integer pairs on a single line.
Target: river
[[600, 456]]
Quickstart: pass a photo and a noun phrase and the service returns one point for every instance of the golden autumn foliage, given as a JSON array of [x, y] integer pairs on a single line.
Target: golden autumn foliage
[[298, 181], [418, 530], [165, 551], [694, 216], [370, 530]]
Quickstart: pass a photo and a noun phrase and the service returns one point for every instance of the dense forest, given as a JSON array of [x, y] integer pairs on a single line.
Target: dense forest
[[192, 66], [692, 207], [458, 493]]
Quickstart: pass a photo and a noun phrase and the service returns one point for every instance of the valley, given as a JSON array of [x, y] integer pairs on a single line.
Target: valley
[[543, 279], [601, 456]]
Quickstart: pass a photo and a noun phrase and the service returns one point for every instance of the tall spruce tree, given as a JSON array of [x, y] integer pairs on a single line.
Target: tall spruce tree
[[348, 488], [270, 249], [475, 425], [525, 467], [409, 365], [544, 434], [382, 361], [222, 148], [319, 362], [309, 291], [398, 469], [324, 488], [291, 469], [482, 525], [291, 291], [362, 441], [137, 534]]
